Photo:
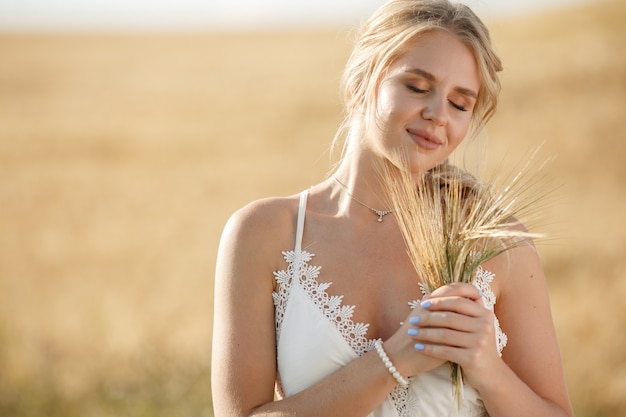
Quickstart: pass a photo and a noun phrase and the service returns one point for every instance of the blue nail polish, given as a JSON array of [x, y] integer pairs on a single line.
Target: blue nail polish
[[412, 332], [480, 293], [426, 304], [414, 320], [418, 346]]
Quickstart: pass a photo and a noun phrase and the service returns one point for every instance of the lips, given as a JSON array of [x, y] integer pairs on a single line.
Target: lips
[[424, 139]]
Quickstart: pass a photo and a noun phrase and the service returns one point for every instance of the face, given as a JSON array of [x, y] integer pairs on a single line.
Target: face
[[425, 102]]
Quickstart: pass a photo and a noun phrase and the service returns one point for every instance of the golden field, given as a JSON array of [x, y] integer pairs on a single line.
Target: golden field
[[122, 156]]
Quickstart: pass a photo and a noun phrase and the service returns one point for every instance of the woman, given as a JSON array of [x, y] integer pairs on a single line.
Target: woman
[[313, 292]]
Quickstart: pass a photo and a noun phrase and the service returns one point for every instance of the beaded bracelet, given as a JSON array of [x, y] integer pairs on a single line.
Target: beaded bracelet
[[378, 345]]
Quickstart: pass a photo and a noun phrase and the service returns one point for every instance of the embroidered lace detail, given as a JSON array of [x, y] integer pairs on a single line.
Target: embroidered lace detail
[[477, 412], [283, 280], [405, 404], [331, 306], [482, 280]]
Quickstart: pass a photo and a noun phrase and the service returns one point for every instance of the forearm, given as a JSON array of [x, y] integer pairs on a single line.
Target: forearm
[[354, 390], [506, 395]]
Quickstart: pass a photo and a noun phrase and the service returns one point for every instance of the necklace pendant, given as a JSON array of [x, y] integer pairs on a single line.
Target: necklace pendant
[[381, 213]]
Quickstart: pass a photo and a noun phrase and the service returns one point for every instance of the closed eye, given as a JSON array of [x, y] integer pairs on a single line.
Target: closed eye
[[416, 90], [457, 106]]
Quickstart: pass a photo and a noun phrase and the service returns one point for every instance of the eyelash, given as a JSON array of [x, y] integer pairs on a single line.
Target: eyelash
[[456, 106], [420, 91], [417, 90]]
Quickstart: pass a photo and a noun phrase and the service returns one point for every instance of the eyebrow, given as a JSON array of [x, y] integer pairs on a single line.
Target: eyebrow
[[430, 77]]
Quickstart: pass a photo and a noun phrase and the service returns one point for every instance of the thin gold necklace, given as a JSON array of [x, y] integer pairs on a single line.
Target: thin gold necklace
[[379, 213]]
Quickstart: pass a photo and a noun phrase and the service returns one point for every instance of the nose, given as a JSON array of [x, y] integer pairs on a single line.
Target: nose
[[436, 111]]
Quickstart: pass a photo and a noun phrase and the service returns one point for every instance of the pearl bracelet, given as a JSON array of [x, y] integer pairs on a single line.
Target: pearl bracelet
[[378, 345]]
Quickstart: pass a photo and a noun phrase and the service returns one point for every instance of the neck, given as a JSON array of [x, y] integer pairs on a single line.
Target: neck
[[362, 182]]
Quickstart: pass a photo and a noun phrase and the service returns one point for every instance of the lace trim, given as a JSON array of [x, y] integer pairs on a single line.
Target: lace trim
[[283, 279], [330, 306], [482, 281], [405, 404]]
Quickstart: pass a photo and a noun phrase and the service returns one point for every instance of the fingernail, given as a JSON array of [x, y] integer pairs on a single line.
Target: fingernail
[[480, 293], [412, 332], [426, 304], [414, 320], [418, 346]]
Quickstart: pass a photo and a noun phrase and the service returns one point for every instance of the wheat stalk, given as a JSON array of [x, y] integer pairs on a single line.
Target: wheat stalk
[[451, 224]]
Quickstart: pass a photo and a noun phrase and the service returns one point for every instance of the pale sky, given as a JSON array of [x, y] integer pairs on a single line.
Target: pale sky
[[218, 14]]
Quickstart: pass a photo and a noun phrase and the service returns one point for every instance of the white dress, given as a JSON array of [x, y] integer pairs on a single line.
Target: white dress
[[316, 336]]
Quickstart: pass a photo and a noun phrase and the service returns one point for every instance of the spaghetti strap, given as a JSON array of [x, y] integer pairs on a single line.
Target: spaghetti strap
[[301, 212]]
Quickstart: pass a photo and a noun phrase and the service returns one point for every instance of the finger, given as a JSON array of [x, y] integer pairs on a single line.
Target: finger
[[445, 320], [460, 305], [470, 356], [442, 352], [443, 336], [457, 289]]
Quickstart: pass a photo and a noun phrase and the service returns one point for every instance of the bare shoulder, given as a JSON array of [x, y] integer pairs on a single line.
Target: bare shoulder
[[516, 266], [261, 216], [261, 229]]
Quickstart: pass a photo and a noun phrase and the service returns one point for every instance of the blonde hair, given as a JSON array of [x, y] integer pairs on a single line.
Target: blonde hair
[[386, 34]]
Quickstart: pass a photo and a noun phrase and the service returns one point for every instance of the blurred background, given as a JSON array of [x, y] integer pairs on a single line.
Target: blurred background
[[130, 131]]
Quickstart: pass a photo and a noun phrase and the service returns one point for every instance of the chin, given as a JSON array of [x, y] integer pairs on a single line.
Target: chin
[[420, 165], [416, 162]]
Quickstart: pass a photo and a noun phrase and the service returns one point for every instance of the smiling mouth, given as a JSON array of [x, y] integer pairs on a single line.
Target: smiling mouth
[[425, 140]]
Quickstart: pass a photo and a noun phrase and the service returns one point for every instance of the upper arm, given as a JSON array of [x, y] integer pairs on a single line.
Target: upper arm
[[523, 309], [244, 351]]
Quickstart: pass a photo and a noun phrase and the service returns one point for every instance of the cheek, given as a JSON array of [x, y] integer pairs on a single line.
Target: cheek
[[459, 130], [391, 104], [384, 105]]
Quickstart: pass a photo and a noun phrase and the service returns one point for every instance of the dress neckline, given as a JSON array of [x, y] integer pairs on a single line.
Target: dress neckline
[[331, 306]]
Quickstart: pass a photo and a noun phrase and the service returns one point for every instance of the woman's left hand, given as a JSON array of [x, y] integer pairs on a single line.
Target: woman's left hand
[[454, 325]]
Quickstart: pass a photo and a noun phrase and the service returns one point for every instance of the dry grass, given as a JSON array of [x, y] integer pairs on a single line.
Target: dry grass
[[121, 158]]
